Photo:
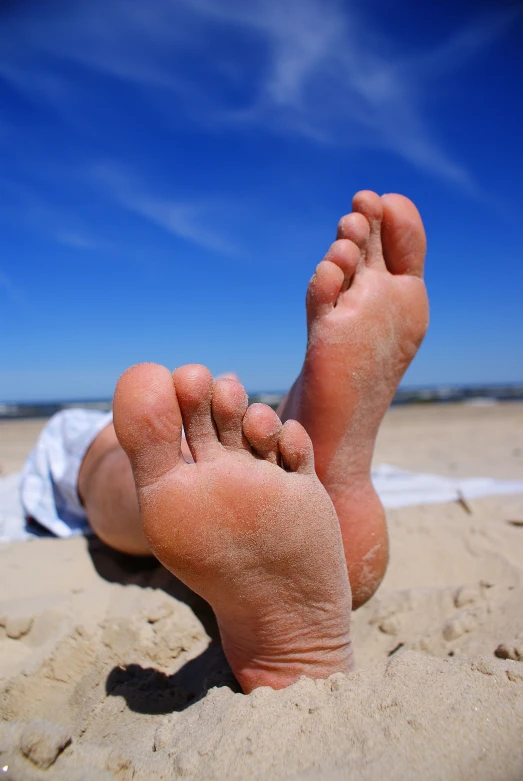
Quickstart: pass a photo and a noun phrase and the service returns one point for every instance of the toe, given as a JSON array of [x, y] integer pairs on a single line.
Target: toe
[[370, 205], [148, 421], [229, 404], [262, 428], [324, 288], [194, 386], [403, 236], [296, 448], [355, 227], [332, 277], [346, 255]]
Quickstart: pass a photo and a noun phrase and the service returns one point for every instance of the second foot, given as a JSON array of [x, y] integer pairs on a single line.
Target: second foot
[[367, 314], [248, 526]]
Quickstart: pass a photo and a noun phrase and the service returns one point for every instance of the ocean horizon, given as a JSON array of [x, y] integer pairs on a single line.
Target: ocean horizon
[[439, 394]]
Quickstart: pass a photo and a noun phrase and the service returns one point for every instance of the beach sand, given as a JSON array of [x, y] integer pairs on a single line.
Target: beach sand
[[108, 666]]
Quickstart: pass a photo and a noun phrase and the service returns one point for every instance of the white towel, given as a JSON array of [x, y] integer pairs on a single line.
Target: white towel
[[399, 488], [12, 524]]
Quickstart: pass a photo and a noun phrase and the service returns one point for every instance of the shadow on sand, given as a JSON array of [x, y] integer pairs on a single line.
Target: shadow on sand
[[151, 691]]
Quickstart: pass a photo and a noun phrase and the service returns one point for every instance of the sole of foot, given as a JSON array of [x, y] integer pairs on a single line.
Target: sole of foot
[[248, 525], [367, 314]]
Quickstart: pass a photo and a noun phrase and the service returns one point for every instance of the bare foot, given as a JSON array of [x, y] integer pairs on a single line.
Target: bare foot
[[259, 541], [367, 313]]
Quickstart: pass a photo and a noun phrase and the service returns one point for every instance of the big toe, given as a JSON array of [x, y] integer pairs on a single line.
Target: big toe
[[148, 422], [403, 236]]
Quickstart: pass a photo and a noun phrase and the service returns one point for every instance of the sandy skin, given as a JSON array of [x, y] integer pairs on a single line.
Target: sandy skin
[[248, 526], [367, 314]]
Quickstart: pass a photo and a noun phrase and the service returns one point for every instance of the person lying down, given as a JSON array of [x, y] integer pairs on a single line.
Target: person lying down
[[270, 517]]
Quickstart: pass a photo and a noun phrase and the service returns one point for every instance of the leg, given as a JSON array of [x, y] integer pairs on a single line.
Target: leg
[[259, 541], [367, 313], [106, 488]]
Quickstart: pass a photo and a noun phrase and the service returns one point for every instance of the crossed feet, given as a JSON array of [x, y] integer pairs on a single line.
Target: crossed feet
[[266, 522]]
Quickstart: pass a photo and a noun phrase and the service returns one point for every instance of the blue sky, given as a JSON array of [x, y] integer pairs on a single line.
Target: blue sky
[[171, 171]]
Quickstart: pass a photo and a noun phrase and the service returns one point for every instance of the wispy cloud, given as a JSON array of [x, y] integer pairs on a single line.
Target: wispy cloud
[[317, 68], [196, 221], [12, 291], [80, 241], [462, 46], [37, 213], [187, 220]]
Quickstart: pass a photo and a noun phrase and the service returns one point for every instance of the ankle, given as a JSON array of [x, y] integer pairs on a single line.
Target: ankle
[[365, 538]]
